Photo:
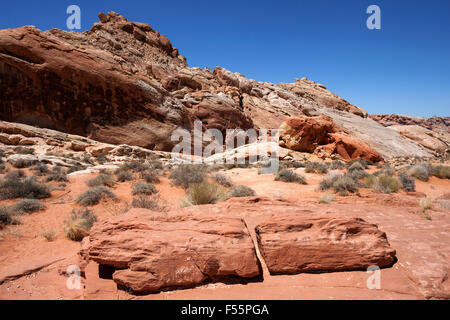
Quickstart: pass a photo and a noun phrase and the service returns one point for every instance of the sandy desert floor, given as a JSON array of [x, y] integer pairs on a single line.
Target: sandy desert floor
[[33, 268]]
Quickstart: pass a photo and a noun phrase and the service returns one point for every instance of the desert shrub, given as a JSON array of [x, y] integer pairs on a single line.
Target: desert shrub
[[155, 164], [408, 183], [356, 166], [204, 193], [41, 169], [426, 203], [357, 174], [144, 188], [337, 164], [75, 168], [345, 184], [101, 180], [385, 171], [290, 176], [28, 206], [58, 175], [122, 176], [15, 175], [102, 158], [420, 171], [28, 188], [386, 184], [137, 166], [442, 172], [316, 167], [235, 165], [328, 181], [152, 203], [241, 191], [6, 217], [93, 196], [326, 198], [49, 235], [222, 179], [187, 174], [23, 150], [22, 163], [79, 223], [150, 177], [365, 163]]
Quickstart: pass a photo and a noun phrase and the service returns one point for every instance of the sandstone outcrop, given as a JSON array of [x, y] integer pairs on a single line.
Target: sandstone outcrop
[[437, 142], [434, 123], [123, 82], [312, 244], [147, 251], [323, 137]]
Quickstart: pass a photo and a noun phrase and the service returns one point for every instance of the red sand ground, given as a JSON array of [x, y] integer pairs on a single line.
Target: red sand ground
[[34, 268]]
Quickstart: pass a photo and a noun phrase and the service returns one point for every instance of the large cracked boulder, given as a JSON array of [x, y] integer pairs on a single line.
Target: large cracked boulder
[[292, 244], [147, 251]]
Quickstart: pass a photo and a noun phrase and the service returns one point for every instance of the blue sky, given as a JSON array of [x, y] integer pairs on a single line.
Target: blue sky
[[402, 68]]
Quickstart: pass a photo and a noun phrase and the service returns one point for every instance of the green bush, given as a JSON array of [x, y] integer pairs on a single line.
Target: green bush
[[79, 223], [28, 206], [204, 193], [93, 196], [290, 176], [187, 174], [408, 183], [101, 180], [241, 191], [144, 188], [383, 183]]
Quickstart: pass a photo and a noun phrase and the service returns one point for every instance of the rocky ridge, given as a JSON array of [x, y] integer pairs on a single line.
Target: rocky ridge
[[124, 83]]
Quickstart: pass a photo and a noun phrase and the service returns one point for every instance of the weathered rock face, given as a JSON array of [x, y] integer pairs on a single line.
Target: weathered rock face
[[323, 137], [306, 133], [292, 245], [150, 251], [124, 83], [433, 123], [437, 142]]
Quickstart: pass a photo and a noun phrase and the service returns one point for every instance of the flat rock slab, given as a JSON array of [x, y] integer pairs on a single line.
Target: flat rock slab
[[150, 251], [292, 244]]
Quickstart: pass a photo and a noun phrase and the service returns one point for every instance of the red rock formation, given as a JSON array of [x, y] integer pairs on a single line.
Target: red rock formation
[[323, 137], [147, 251], [433, 123], [306, 244]]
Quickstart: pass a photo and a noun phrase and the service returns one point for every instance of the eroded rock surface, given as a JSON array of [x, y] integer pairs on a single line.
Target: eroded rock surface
[[123, 82], [151, 251], [292, 245]]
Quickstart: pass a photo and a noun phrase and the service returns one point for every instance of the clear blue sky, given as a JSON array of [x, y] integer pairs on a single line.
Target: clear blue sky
[[402, 68]]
